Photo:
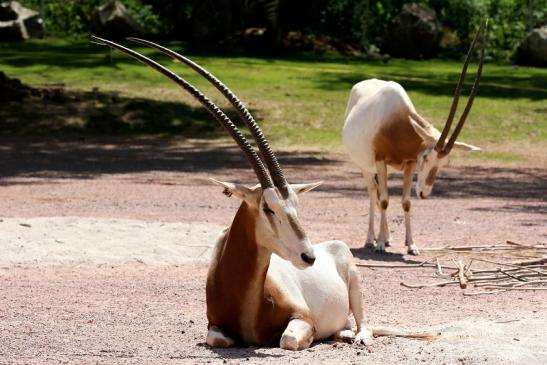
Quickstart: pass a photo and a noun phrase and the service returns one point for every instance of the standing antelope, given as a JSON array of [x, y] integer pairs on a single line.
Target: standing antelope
[[266, 282], [383, 130]]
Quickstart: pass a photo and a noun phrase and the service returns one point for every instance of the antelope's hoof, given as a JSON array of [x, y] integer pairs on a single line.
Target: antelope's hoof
[[380, 250], [364, 337], [215, 338], [413, 250], [388, 244], [369, 244], [345, 336], [288, 342]]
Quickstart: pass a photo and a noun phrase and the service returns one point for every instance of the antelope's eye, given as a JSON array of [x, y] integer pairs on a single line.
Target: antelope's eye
[[267, 210]]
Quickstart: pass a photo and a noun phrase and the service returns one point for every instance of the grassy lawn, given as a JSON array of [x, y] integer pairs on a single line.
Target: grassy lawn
[[300, 102]]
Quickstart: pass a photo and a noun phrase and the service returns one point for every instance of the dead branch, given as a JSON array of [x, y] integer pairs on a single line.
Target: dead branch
[[521, 264], [503, 247], [461, 275], [469, 294], [519, 288], [426, 263], [428, 285]]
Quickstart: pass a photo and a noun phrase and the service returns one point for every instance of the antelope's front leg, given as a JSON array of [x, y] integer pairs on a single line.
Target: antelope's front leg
[[363, 336], [297, 336], [381, 168], [215, 338], [407, 189]]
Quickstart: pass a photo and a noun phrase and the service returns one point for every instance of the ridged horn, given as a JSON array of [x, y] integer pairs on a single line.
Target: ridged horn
[[472, 95], [214, 110], [440, 147], [261, 141]]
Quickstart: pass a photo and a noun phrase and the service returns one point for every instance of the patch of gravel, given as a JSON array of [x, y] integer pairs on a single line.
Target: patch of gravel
[[99, 241]]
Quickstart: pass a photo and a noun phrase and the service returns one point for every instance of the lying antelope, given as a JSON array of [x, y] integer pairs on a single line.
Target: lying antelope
[[266, 282], [383, 130]]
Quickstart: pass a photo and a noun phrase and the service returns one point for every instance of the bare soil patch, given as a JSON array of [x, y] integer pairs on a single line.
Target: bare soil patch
[[123, 311]]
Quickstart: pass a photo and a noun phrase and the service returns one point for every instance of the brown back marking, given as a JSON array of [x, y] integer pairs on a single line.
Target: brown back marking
[[397, 142], [238, 265]]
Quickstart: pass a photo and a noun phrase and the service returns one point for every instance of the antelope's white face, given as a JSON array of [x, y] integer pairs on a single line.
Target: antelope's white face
[[430, 161], [428, 165], [277, 227]]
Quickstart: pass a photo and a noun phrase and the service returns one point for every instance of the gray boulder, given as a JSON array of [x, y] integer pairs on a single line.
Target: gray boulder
[[18, 23], [533, 49], [416, 33], [112, 20]]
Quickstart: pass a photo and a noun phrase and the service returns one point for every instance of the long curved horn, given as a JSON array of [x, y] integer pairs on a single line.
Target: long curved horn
[[472, 95], [214, 110], [261, 141], [457, 93]]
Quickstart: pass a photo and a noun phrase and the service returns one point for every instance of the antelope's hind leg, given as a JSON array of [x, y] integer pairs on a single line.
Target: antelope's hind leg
[[372, 190], [383, 197], [297, 336], [215, 338]]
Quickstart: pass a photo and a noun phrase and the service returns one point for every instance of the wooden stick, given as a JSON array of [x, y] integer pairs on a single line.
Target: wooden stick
[[419, 286], [482, 247], [512, 276], [516, 264], [426, 263], [516, 285], [461, 275], [539, 245], [485, 271], [439, 268], [469, 294], [518, 288], [482, 280], [468, 271]]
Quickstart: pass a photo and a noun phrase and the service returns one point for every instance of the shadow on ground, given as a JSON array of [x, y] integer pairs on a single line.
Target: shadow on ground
[[96, 112], [75, 156]]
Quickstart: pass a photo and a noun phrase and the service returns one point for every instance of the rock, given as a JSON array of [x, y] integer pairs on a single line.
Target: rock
[[12, 89], [533, 49], [415, 33], [112, 20], [18, 23]]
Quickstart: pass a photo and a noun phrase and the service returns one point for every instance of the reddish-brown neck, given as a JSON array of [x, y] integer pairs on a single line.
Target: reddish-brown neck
[[241, 267]]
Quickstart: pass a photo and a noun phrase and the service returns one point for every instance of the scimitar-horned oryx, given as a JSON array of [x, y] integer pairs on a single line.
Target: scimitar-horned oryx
[[383, 130]]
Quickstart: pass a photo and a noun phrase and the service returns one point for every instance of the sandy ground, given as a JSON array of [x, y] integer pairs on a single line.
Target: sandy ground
[[103, 247]]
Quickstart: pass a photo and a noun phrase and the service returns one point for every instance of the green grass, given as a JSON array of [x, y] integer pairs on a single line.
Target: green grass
[[299, 102]]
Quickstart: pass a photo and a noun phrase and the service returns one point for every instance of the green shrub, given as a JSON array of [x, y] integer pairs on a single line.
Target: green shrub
[[72, 17]]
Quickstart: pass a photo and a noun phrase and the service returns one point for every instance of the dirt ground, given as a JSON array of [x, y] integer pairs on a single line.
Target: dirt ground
[[141, 305]]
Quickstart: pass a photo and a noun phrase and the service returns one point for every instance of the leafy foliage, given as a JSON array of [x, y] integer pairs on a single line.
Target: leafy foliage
[[72, 17], [364, 22]]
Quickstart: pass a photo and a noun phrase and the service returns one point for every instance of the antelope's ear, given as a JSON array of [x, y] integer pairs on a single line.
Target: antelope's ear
[[427, 137], [230, 189], [304, 188], [466, 147]]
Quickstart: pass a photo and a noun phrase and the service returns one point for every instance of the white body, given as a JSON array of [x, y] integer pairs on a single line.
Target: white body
[[370, 106], [319, 288]]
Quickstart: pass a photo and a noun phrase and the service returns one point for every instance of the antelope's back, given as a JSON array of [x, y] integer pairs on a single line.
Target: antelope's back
[[371, 105]]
